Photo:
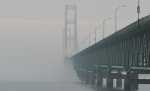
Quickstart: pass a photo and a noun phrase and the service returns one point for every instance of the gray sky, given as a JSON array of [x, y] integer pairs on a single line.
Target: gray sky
[[31, 33]]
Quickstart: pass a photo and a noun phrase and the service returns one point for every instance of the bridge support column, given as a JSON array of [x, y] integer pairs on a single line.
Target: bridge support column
[[96, 79], [134, 81], [104, 82], [92, 78], [109, 81], [119, 83], [86, 77], [89, 78], [131, 83], [127, 83], [99, 81]]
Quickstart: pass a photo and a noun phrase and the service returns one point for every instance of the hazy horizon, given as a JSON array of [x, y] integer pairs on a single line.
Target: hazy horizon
[[31, 33]]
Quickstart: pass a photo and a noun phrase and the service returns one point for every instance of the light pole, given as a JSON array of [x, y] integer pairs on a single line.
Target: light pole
[[138, 12], [104, 21], [95, 31], [89, 38], [116, 11]]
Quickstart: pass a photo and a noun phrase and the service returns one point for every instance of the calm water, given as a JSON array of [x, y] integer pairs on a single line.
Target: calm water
[[43, 86], [68, 81]]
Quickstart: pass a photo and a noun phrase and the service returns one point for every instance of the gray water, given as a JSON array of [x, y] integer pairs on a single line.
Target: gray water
[[41, 86], [68, 81]]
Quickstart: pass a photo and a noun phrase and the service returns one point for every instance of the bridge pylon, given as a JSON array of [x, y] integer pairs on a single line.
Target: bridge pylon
[[70, 31]]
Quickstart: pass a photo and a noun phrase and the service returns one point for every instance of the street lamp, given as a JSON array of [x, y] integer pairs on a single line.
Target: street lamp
[[138, 12], [104, 21], [95, 31], [89, 38], [116, 11]]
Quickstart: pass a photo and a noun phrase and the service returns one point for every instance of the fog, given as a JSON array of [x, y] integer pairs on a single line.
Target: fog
[[31, 34], [28, 49]]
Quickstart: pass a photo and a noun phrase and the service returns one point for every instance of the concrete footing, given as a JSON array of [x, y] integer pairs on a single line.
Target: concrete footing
[[127, 82]]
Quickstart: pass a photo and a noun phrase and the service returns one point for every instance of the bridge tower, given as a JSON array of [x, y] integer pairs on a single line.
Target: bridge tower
[[70, 31]]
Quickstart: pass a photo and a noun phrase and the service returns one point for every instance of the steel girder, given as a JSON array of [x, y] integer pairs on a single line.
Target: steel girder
[[128, 47]]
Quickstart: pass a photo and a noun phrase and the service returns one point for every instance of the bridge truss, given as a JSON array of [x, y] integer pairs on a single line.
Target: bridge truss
[[127, 50]]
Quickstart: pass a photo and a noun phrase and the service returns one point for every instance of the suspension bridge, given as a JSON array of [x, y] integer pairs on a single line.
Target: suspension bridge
[[114, 62], [122, 56]]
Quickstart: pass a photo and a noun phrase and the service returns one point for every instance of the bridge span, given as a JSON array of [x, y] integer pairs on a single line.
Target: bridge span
[[116, 61]]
